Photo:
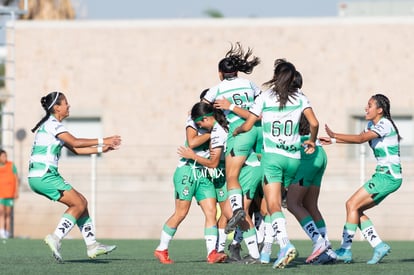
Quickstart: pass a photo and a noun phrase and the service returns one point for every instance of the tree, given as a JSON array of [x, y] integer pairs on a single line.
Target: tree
[[48, 10], [213, 13], [44, 9]]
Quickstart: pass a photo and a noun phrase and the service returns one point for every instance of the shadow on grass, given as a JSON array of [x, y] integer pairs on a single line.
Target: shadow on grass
[[94, 261]]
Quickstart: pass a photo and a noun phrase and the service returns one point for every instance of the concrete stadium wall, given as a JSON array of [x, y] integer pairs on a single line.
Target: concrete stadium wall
[[142, 77]]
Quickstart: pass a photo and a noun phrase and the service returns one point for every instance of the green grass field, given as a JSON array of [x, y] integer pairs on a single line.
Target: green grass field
[[20, 256]]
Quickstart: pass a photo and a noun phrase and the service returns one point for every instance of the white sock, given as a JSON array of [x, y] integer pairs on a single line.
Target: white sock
[[88, 231], [347, 235], [65, 225], [222, 238], [259, 224], [210, 235], [269, 236], [167, 234], [235, 198], [312, 231], [371, 235], [250, 240], [279, 226]]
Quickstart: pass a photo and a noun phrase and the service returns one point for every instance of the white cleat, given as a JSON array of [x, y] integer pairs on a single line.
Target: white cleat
[[54, 244], [98, 249]]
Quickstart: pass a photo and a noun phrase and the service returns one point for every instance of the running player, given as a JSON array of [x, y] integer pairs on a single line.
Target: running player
[[240, 92], [383, 137], [281, 107], [44, 178]]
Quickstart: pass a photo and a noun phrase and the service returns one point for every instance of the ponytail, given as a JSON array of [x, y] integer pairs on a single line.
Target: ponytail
[[384, 103], [47, 103]]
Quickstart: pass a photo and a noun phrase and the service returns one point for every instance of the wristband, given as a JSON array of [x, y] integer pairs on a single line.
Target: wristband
[[231, 108], [100, 142], [333, 140], [99, 149]]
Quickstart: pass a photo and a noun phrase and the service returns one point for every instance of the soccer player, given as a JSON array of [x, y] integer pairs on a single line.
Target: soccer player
[[44, 178], [280, 108], [250, 179], [192, 178], [240, 92], [302, 198], [383, 137]]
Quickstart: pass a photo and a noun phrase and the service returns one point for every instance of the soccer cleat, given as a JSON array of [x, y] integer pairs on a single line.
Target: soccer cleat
[[248, 259], [380, 251], [264, 257], [344, 255], [331, 253], [327, 257], [286, 255], [162, 256], [234, 251], [98, 249], [238, 217], [318, 248], [54, 244], [216, 257]]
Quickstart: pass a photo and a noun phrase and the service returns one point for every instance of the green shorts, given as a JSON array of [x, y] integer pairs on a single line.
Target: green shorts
[[278, 168], [242, 144], [250, 179], [218, 176], [311, 170], [7, 202], [51, 185], [190, 181], [258, 147], [381, 185]]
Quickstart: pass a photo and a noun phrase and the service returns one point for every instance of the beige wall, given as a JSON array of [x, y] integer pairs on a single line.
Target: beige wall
[[142, 77]]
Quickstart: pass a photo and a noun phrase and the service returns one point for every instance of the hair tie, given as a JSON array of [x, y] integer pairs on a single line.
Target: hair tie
[[54, 101], [200, 118]]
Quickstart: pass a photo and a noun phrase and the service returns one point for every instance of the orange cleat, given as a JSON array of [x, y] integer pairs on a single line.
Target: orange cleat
[[162, 256], [216, 257]]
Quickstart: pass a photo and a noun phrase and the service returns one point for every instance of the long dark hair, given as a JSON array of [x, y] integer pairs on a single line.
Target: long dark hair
[[384, 103], [297, 81], [281, 83], [237, 60], [304, 126], [202, 108], [47, 102]]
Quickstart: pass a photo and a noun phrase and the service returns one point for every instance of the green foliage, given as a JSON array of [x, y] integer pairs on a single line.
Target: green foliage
[[22, 256], [213, 13]]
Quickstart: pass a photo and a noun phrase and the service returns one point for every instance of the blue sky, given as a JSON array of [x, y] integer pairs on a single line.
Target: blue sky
[[140, 9]]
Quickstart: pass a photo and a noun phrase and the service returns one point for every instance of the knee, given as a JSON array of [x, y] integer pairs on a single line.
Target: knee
[[291, 207], [349, 205], [180, 215], [81, 203]]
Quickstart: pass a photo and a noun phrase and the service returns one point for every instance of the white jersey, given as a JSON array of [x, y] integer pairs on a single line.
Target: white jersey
[[46, 147], [238, 91], [280, 127], [202, 150], [386, 147], [218, 138]]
